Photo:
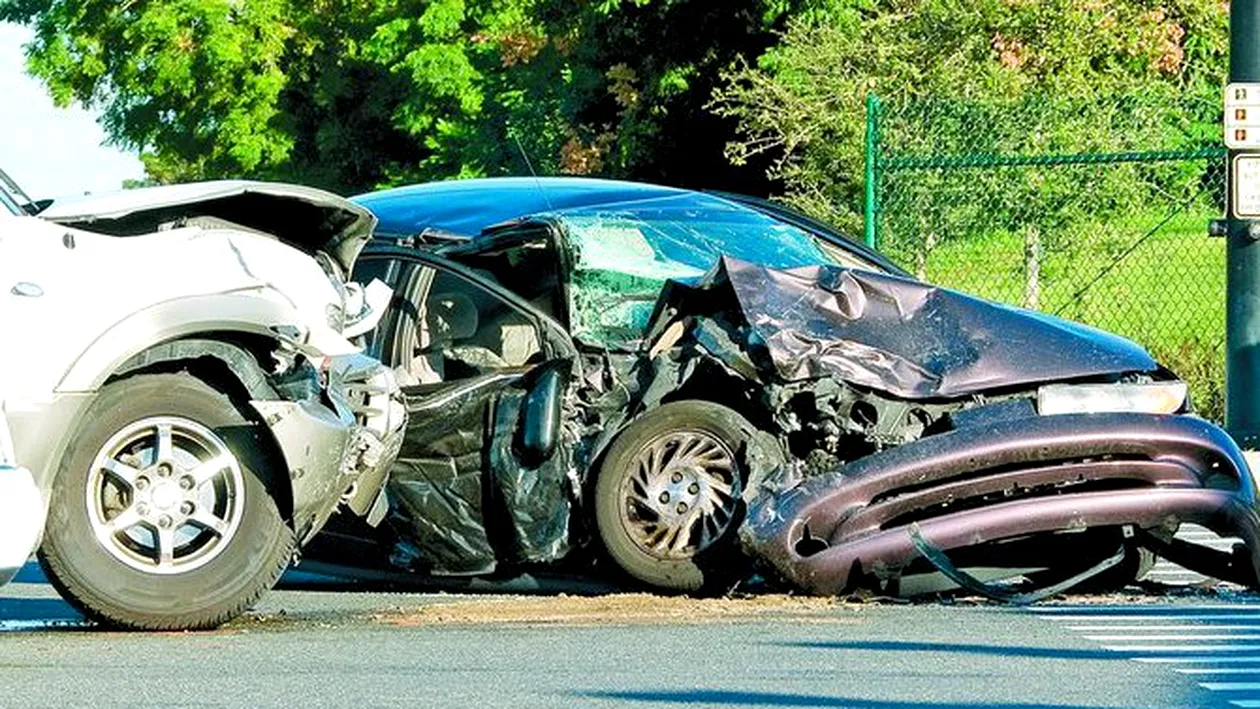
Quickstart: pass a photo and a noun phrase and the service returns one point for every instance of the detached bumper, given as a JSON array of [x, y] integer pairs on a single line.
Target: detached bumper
[[1004, 480], [21, 519]]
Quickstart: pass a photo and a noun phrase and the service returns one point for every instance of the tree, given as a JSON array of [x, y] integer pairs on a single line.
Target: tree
[[1082, 75], [355, 94]]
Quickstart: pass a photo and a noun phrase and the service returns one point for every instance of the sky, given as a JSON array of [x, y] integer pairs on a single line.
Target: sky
[[49, 151]]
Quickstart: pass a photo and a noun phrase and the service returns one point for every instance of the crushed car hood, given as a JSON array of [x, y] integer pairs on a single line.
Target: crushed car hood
[[304, 217], [896, 335]]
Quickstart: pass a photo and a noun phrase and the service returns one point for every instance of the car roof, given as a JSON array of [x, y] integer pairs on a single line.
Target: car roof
[[466, 207]]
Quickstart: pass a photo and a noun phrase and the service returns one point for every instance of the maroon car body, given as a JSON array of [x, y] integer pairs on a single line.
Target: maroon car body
[[876, 426]]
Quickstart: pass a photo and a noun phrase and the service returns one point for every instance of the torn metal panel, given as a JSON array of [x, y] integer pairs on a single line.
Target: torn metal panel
[[314, 442], [898, 336], [534, 502], [439, 479]]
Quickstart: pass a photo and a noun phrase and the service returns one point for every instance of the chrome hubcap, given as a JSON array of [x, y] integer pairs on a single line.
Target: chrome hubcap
[[165, 495], [682, 494]]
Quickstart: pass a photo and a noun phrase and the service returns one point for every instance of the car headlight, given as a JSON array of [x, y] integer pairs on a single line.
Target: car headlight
[[1147, 398]]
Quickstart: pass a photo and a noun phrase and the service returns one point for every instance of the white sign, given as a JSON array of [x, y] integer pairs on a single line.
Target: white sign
[[1246, 185], [1242, 116]]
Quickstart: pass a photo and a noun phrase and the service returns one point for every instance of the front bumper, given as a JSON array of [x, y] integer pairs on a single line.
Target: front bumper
[[21, 519], [341, 453], [1005, 480]]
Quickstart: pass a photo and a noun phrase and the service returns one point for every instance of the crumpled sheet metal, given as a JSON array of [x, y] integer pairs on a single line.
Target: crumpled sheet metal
[[899, 336], [464, 498], [532, 503]]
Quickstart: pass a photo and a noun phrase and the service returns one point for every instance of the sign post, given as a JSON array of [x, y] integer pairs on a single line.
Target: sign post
[[1242, 230]]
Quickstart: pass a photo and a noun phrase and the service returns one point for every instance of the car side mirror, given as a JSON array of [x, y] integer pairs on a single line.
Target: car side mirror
[[541, 415]]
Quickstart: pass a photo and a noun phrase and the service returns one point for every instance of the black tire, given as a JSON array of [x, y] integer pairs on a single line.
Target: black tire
[[719, 561], [103, 587]]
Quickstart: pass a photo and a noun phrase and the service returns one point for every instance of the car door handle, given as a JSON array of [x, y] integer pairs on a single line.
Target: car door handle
[[27, 289]]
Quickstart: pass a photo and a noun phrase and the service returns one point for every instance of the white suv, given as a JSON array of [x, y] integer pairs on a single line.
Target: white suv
[[181, 377]]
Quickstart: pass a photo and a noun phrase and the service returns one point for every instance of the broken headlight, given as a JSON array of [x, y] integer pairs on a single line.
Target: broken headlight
[[1147, 398]]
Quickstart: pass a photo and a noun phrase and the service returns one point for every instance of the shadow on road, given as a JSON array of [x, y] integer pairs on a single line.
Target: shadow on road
[[1053, 653], [721, 697]]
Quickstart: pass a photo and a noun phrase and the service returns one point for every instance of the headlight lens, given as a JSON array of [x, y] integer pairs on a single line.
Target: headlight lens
[[1147, 398]]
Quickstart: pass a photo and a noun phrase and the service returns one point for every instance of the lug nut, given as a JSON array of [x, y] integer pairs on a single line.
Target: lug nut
[[142, 483], [142, 509], [186, 508], [164, 469], [186, 482], [164, 521], [664, 497], [676, 477], [694, 488], [681, 508]]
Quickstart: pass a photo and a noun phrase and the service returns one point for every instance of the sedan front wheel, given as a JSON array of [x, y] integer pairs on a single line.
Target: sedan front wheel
[[667, 499]]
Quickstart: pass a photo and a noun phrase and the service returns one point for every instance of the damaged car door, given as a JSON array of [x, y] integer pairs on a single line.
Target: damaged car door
[[484, 473]]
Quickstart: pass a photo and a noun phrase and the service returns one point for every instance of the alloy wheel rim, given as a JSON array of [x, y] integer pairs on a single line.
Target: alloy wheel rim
[[165, 495], [681, 496]]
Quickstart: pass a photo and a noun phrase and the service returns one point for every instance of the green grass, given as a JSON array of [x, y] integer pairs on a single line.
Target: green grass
[[1165, 291]]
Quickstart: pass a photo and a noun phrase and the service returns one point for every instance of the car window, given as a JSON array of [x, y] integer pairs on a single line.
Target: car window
[[447, 328], [623, 256]]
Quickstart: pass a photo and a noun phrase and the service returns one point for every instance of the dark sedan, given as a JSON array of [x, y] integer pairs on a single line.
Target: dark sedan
[[698, 385]]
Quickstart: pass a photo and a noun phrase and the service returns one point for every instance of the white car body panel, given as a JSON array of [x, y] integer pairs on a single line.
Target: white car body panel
[[22, 510], [92, 283], [76, 295]]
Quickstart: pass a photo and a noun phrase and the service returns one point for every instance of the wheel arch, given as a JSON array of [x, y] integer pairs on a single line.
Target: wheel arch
[[243, 314], [229, 362]]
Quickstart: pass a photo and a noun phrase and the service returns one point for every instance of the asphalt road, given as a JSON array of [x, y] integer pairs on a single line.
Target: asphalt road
[[320, 648]]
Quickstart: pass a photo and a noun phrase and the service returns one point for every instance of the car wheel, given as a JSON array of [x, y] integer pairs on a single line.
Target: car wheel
[[667, 496], [158, 518]]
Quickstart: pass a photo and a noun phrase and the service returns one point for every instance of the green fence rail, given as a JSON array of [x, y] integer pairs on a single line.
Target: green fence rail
[[1016, 205]]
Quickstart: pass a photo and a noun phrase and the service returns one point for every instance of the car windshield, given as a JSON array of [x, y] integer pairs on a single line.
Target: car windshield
[[623, 254]]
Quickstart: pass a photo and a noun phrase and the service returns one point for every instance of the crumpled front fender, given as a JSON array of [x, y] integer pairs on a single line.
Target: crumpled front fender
[[342, 453], [991, 482]]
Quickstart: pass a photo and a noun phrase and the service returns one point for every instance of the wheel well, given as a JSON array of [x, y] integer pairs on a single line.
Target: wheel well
[[735, 393], [230, 364]]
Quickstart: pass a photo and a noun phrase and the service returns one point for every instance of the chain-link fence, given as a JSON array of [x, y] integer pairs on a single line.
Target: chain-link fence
[[1025, 204]]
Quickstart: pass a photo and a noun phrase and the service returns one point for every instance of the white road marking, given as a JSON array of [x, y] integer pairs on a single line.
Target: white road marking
[[1130, 617], [1182, 648], [1078, 608], [1162, 628], [39, 624], [1199, 660], [1213, 644], [1145, 637]]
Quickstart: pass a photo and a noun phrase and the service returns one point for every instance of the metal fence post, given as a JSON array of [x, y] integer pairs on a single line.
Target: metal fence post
[[871, 203], [1242, 256]]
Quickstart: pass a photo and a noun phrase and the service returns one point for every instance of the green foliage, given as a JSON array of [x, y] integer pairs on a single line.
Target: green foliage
[[988, 76], [993, 115], [354, 94]]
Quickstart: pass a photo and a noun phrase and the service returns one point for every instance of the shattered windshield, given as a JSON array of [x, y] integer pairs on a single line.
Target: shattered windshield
[[622, 256]]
